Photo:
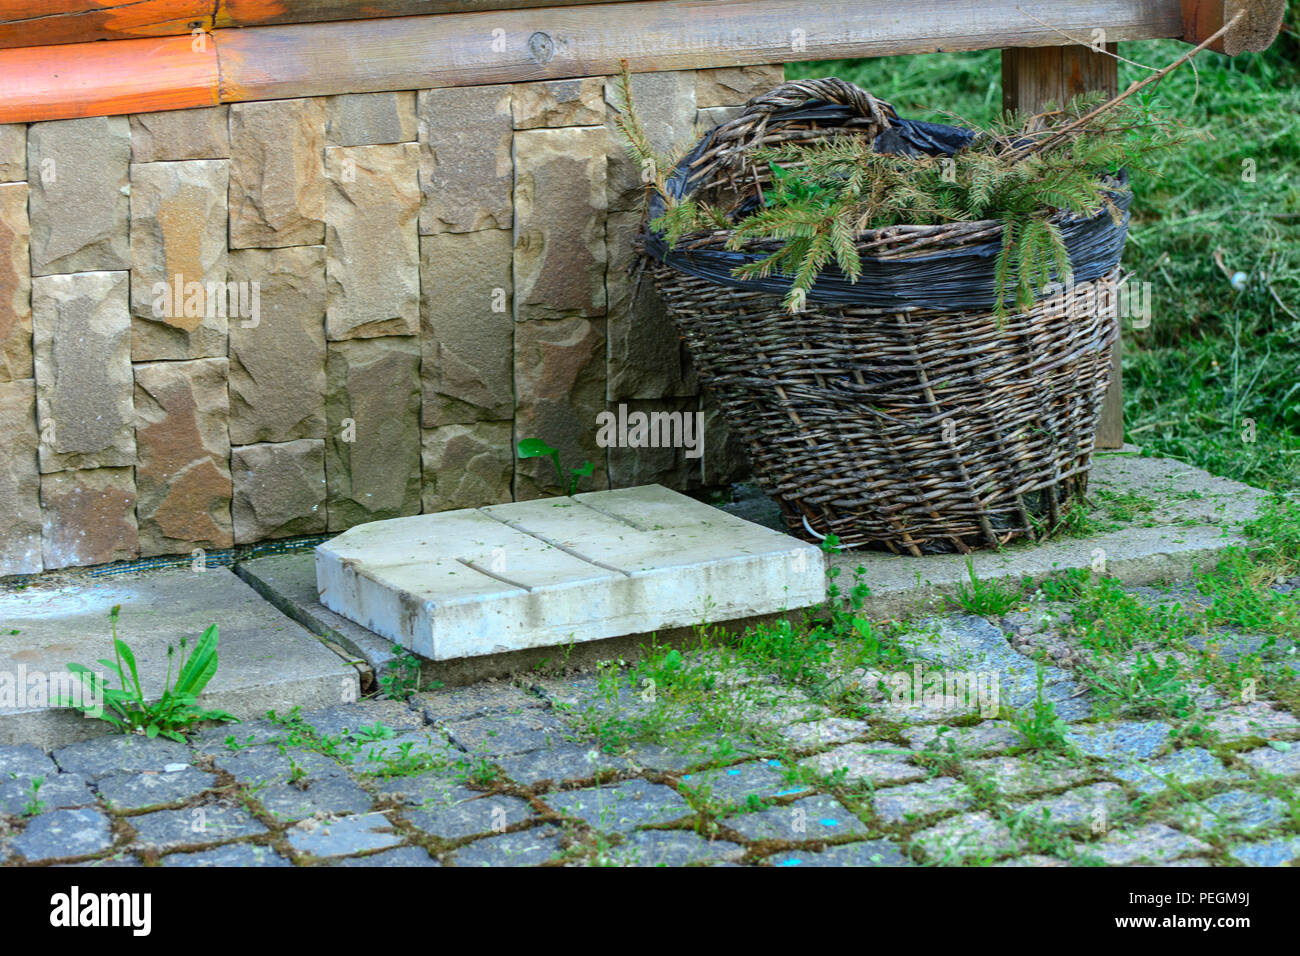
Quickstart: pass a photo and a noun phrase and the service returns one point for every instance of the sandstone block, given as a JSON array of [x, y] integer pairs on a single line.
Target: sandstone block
[[15, 284], [370, 119], [665, 103], [661, 444], [279, 489], [13, 153], [89, 517], [575, 102], [277, 173], [180, 134], [734, 85], [465, 163], [20, 480], [467, 465]]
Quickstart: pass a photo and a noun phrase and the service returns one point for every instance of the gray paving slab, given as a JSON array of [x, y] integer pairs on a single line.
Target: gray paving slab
[[343, 836], [805, 820], [63, 833], [234, 854], [136, 791]]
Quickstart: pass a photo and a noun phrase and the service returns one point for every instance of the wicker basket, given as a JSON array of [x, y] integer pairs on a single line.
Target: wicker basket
[[893, 416]]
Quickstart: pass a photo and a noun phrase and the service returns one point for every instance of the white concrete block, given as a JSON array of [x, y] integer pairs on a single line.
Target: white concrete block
[[558, 570]]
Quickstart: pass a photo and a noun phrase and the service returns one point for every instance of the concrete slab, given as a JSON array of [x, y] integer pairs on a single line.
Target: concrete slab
[[266, 660], [555, 571]]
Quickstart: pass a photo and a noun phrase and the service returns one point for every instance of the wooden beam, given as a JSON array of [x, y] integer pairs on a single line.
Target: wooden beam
[[1255, 31], [1030, 80]]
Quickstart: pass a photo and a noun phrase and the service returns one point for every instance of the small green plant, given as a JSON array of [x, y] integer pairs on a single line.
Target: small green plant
[[536, 448], [128, 709], [373, 733], [34, 804], [986, 598], [1041, 727], [1148, 687], [401, 677]]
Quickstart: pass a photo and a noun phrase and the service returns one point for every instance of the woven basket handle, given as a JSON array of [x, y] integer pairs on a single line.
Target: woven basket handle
[[830, 89]]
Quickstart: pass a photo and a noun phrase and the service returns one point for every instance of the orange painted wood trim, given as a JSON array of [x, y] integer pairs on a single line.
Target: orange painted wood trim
[[106, 79]]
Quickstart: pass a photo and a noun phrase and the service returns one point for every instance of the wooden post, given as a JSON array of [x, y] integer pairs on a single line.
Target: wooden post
[[1033, 77]]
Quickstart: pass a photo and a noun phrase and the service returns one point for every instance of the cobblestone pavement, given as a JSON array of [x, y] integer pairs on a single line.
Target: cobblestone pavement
[[699, 759]]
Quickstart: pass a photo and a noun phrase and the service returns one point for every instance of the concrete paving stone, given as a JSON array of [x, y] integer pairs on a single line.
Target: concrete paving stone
[[620, 807], [559, 763], [115, 753], [589, 692], [1181, 768], [106, 862], [193, 826], [1093, 804], [432, 789], [877, 763], [808, 819], [343, 836], [673, 848], [912, 801], [818, 733], [865, 853], [1151, 843], [601, 564], [290, 802], [988, 737], [1256, 719], [342, 719], [63, 833], [1276, 852], [25, 760], [135, 791], [1232, 811], [58, 791], [485, 814], [1231, 647], [498, 735], [764, 779], [1018, 777], [227, 738], [1276, 762], [448, 704], [268, 763], [380, 757], [401, 856], [1134, 738], [675, 759], [235, 854], [521, 848], [966, 837]]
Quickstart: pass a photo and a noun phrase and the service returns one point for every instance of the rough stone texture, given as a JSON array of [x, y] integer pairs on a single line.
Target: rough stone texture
[[77, 171], [13, 153], [370, 119], [82, 343], [183, 475], [465, 161], [270, 764], [706, 119], [291, 802], [574, 102], [1255, 720], [20, 481], [466, 818], [374, 399], [354, 834], [1092, 805], [1180, 769], [622, 807], [732, 85], [559, 264], [1276, 852], [277, 173], [277, 358], [180, 134], [735, 785], [57, 791], [135, 791], [971, 835], [504, 734], [178, 260], [673, 848], [665, 104], [237, 854], [475, 700], [866, 853], [15, 284], [672, 467], [561, 762], [725, 459], [279, 489], [1152, 843], [89, 517], [559, 389], [1279, 762], [1014, 777], [193, 826], [521, 848], [403, 856], [812, 818], [467, 327], [815, 733], [916, 800], [63, 833], [647, 357], [1233, 810], [25, 760], [991, 736], [372, 247], [1136, 738], [876, 762], [117, 753], [466, 466]]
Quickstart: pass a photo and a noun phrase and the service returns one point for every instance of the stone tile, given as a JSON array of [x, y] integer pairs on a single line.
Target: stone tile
[[559, 763], [484, 814], [20, 480], [82, 345], [866, 853], [279, 489], [574, 102], [236, 854], [559, 262], [1091, 806], [180, 134], [1134, 738], [118, 753], [966, 837], [818, 733], [621, 807], [25, 760], [1257, 719], [474, 700], [277, 357], [13, 152], [1232, 811], [179, 298], [467, 326], [501, 734], [874, 762], [89, 517], [559, 390], [805, 820], [193, 826], [15, 284], [63, 833], [725, 458], [465, 158], [277, 173], [372, 454], [135, 791], [672, 848], [77, 174], [665, 104], [371, 119], [266, 764], [1182, 768], [399, 753], [290, 802], [372, 247], [1152, 843], [344, 719], [402, 856], [1279, 851], [707, 119], [1017, 777], [924, 798], [183, 483], [56, 791], [661, 445], [762, 779], [1275, 762], [343, 836], [115, 861], [734, 85], [467, 466], [521, 848], [989, 737]]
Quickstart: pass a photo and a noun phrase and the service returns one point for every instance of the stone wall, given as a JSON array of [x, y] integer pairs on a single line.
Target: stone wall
[[228, 325]]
